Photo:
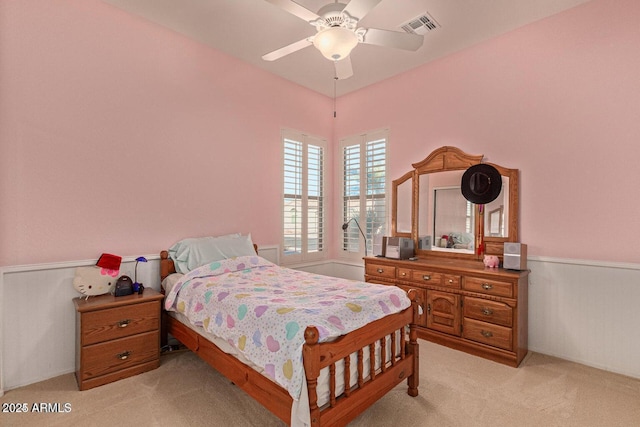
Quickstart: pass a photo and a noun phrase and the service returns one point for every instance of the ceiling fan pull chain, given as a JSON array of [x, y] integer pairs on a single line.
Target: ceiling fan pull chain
[[335, 79]]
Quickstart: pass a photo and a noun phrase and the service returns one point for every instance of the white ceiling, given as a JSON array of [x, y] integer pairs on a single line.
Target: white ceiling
[[247, 29]]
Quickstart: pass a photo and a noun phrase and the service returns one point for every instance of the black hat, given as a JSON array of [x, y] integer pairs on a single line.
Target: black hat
[[481, 184]]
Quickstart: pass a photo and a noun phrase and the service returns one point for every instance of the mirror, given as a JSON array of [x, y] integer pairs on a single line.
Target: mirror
[[438, 209], [402, 206], [444, 213], [497, 213]]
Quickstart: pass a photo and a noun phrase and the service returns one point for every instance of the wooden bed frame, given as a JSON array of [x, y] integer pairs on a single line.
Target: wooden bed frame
[[340, 409]]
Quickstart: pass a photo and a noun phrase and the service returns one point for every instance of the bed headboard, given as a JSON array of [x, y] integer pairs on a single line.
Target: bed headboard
[[167, 266]]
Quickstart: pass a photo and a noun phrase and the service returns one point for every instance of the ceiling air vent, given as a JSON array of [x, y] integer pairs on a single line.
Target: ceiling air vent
[[420, 25]]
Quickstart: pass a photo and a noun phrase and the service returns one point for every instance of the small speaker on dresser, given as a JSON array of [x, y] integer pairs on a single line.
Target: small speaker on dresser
[[424, 242], [399, 248], [515, 256]]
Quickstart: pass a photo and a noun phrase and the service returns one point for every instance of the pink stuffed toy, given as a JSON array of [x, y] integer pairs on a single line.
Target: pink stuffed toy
[[491, 261]]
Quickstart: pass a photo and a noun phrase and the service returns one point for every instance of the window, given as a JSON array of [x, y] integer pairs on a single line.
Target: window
[[364, 190], [303, 201]]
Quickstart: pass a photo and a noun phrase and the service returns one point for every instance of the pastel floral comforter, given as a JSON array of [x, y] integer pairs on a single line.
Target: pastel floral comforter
[[262, 310]]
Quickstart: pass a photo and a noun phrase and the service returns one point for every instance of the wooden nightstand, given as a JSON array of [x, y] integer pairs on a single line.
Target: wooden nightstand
[[116, 337]]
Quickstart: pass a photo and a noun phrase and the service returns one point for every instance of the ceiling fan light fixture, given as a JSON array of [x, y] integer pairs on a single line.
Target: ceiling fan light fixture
[[335, 43]]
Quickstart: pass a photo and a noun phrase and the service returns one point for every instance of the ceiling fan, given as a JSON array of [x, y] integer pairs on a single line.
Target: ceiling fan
[[338, 33]]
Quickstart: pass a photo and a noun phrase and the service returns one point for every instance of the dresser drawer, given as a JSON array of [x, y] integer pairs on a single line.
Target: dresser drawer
[[426, 277], [487, 333], [436, 279], [404, 273], [112, 323], [451, 281], [111, 356], [489, 287], [379, 270], [489, 311]]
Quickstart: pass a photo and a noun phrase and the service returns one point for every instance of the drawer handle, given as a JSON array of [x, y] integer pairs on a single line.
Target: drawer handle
[[487, 311], [426, 277], [450, 280], [124, 323], [380, 270], [486, 334], [487, 286], [403, 274], [123, 356]]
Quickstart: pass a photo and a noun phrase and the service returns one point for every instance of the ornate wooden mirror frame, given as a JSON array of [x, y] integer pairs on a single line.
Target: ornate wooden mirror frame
[[446, 159]]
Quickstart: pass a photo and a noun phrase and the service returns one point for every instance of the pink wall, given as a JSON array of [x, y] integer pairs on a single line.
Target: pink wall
[[120, 136], [109, 124], [558, 99]]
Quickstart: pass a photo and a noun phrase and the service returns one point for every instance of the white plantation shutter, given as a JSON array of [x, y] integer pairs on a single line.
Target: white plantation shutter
[[315, 199], [364, 190], [351, 197], [303, 202], [292, 224], [376, 194]]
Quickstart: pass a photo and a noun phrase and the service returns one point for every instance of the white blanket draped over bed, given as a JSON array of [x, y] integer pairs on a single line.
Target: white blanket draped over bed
[[262, 310]]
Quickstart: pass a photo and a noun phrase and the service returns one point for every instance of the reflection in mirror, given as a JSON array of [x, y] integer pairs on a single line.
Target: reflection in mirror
[[497, 213], [495, 222], [453, 220], [443, 211]]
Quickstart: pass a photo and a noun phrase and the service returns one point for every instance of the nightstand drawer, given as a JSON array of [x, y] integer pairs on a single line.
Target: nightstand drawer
[[487, 333], [111, 356], [112, 323]]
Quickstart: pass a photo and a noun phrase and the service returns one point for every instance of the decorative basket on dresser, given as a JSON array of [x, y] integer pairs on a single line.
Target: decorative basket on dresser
[[466, 306], [116, 337]]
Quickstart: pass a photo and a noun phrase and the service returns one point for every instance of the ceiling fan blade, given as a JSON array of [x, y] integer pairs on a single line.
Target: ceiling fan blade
[[395, 39], [344, 70], [295, 9], [283, 51], [359, 8]]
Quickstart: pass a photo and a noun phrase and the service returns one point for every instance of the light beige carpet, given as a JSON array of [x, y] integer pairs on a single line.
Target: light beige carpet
[[456, 389]]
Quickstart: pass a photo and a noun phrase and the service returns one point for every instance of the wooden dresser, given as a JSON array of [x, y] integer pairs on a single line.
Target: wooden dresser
[[116, 337], [466, 305]]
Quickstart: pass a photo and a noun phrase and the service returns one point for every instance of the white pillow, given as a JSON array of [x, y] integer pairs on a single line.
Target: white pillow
[[192, 253]]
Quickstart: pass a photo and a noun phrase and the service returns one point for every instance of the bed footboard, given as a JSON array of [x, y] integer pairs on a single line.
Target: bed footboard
[[402, 364]]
